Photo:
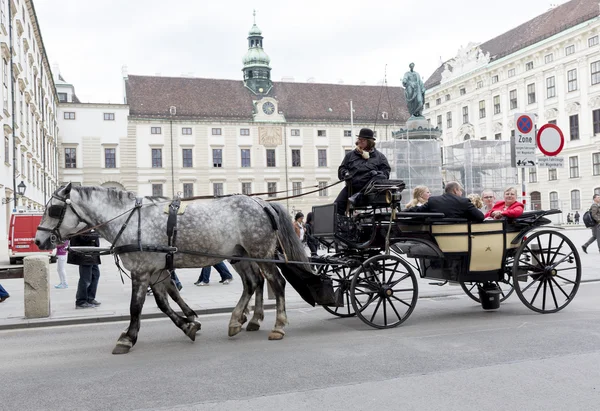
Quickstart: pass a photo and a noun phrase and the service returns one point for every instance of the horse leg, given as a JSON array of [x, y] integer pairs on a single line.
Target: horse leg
[[128, 338], [189, 328], [259, 309], [238, 316], [174, 294], [277, 283]]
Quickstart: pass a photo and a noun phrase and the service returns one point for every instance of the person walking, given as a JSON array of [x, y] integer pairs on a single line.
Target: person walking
[[89, 272], [61, 261], [299, 225], [595, 213], [204, 278], [577, 216], [311, 242], [3, 294]]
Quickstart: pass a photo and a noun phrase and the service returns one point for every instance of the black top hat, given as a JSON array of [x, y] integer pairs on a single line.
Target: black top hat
[[366, 133]]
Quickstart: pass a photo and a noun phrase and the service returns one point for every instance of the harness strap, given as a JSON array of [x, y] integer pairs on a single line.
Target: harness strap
[[172, 232], [138, 205]]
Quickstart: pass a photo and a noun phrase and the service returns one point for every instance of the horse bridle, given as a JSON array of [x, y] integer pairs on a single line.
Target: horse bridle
[[59, 211]]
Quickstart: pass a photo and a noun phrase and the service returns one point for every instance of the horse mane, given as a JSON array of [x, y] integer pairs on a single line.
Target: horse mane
[[114, 193]]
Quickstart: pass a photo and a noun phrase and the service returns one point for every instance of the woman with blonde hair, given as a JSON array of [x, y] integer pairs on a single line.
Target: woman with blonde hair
[[476, 200], [420, 196]]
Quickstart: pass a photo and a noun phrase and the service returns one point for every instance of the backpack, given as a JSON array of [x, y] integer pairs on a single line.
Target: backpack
[[588, 220]]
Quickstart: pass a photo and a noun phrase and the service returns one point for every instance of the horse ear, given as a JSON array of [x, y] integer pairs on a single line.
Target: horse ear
[[67, 189]]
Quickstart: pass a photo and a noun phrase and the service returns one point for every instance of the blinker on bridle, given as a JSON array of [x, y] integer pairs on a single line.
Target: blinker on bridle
[[58, 212]]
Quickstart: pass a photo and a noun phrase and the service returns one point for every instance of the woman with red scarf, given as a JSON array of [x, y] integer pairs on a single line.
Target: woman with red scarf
[[509, 208]]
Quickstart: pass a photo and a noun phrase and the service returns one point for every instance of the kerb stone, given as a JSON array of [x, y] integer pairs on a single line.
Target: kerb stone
[[36, 276]]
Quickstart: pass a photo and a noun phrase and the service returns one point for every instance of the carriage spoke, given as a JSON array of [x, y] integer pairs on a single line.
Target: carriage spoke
[[529, 285], [563, 259], [544, 296], [542, 282], [376, 309], [400, 280], [560, 288], [533, 255], [394, 272], [549, 247], [555, 254], [402, 301], [394, 308], [403, 290], [541, 250], [566, 279], [384, 311], [537, 272], [553, 295]]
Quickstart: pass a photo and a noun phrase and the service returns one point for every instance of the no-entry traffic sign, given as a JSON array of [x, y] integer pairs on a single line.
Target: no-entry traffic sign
[[550, 139]]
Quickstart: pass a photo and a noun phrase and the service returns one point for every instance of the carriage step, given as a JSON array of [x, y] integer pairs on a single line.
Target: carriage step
[[439, 283]]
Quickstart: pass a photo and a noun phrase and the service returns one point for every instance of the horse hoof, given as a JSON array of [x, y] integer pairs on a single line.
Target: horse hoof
[[234, 330], [276, 335], [121, 349], [244, 319], [253, 326], [193, 329]]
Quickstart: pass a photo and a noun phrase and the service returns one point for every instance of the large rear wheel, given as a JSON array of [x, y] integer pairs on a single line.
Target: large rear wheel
[[547, 271]]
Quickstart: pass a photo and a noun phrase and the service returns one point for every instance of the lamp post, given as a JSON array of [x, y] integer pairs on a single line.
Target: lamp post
[[20, 192]]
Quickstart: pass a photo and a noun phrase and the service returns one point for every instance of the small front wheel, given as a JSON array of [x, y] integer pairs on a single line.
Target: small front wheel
[[341, 277], [384, 291]]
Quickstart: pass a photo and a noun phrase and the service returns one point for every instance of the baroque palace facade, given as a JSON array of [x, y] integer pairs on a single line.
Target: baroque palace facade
[[200, 136], [28, 113], [549, 66]]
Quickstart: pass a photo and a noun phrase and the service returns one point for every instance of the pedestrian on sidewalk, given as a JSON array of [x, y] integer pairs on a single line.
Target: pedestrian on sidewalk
[[89, 272], [61, 261], [175, 280], [299, 225], [577, 216], [311, 242], [3, 294], [204, 278], [595, 213]]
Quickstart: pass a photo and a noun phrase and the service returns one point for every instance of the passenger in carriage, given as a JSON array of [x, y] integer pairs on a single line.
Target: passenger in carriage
[[360, 166], [509, 208], [489, 199], [420, 196], [452, 204], [476, 200]]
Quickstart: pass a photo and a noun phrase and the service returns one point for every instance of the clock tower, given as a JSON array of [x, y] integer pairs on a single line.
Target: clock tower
[[257, 72]]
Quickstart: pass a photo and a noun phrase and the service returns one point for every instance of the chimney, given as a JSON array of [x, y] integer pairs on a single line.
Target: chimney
[[55, 71], [124, 71]]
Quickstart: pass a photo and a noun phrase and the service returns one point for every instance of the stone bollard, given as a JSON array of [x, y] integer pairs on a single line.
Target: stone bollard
[[36, 278]]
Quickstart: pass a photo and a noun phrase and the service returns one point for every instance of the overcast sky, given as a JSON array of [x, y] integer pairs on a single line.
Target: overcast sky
[[330, 40]]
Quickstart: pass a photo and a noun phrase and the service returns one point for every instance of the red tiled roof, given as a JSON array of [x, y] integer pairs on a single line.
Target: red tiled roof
[[541, 27]]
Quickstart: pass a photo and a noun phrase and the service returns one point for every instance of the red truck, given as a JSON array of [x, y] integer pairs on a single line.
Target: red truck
[[21, 236]]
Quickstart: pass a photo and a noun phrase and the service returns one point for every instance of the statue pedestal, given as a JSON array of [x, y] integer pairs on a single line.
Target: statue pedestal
[[417, 128]]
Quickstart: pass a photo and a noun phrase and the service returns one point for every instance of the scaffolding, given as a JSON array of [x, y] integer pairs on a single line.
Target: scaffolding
[[479, 165]]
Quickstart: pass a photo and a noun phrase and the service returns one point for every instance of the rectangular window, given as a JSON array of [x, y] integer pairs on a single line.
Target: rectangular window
[[426, 105], [596, 120], [593, 41], [322, 133], [438, 101], [552, 174], [70, 158], [322, 157], [573, 167], [188, 162], [62, 97], [465, 113], [512, 95], [548, 58], [217, 155], [439, 121], [272, 189], [497, 109], [157, 190], [574, 126], [186, 131], [109, 116], [595, 70], [6, 150], [482, 109], [449, 119], [156, 157], [447, 97], [247, 188], [575, 200], [531, 93], [245, 152], [110, 158], [69, 115], [554, 200], [494, 79], [347, 133], [322, 189], [217, 189], [296, 158], [569, 50], [463, 91], [296, 188], [244, 131], [533, 175], [498, 136], [529, 65], [572, 80], [155, 130], [295, 132], [188, 190], [550, 87], [271, 157], [216, 131], [596, 163], [511, 72]]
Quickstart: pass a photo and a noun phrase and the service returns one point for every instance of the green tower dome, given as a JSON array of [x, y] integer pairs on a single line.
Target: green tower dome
[[257, 70]]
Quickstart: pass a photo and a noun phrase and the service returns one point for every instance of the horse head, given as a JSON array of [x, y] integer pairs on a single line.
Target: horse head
[[60, 221]]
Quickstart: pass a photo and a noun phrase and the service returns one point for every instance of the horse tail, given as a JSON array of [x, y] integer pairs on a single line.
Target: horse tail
[[291, 244]]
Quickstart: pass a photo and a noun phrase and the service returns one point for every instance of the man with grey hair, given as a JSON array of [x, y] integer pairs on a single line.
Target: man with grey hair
[[451, 203], [595, 212], [489, 199]]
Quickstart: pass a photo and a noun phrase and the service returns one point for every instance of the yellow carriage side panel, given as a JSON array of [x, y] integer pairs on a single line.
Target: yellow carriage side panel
[[452, 238], [487, 250], [509, 238]]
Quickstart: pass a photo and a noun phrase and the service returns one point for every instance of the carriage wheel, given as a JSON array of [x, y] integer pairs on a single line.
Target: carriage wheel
[[341, 277], [547, 271], [384, 291], [471, 289]]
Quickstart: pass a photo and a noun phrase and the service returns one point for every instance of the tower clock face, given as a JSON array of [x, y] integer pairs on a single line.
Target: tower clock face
[[268, 108]]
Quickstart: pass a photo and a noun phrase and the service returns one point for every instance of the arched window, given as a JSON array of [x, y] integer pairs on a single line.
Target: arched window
[[536, 200], [467, 137], [554, 200], [575, 200]]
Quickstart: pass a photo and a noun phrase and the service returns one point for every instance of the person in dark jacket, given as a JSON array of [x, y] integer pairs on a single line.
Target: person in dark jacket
[[452, 204], [89, 272], [311, 242], [360, 166]]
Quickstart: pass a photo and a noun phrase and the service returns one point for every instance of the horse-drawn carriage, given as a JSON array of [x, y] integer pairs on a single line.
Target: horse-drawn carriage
[[379, 252]]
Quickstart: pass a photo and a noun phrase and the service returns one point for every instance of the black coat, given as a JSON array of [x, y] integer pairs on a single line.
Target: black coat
[[452, 206], [91, 239], [362, 171]]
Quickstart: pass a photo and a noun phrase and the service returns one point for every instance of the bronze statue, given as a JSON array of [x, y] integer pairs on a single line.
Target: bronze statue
[[414, 90]]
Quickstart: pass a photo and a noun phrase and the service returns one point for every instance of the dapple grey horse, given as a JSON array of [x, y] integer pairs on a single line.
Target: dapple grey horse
[[232, 226]]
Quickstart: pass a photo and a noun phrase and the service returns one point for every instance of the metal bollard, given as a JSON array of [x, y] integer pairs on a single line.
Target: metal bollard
[[36, 280]]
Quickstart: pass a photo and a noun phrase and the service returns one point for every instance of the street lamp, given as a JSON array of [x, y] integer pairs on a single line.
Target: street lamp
[[20, 192]]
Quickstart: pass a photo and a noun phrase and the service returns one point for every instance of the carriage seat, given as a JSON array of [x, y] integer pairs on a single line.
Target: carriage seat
[[378, 193]]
